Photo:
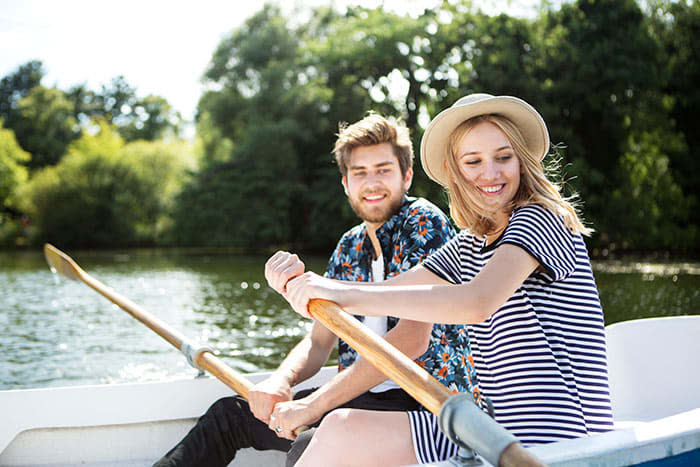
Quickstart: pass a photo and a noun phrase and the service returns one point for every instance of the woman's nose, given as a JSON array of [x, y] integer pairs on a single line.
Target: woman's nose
[[490, 171]]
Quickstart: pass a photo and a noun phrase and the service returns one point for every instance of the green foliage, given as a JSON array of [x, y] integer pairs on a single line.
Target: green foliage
[[267, 140], [105, 192], [616, 83], [46, 125], [15, 86], [150, 118], [649, 210], [13, 174], [677, 26]]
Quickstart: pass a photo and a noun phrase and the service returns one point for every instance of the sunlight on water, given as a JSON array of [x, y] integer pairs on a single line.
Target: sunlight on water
[[58, 332], [648, 269]]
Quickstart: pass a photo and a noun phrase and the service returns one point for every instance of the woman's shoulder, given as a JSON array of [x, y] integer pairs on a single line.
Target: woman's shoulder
[[538, 217]]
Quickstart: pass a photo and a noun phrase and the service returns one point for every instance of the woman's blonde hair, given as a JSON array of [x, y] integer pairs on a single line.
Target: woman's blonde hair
[[467, 207]]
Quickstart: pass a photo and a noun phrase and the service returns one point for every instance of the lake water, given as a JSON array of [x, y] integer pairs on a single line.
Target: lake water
[[56, 332]]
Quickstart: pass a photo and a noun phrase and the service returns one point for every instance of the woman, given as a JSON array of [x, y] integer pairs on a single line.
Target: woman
[[518, 273]]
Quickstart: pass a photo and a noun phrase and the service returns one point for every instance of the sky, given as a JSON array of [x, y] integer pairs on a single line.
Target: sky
[[160, 47]]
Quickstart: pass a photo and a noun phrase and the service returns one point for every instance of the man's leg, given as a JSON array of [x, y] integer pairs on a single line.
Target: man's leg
[[392, 400], [226, 427]]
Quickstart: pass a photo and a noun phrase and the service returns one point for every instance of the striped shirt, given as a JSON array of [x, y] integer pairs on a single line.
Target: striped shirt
[[541, 357]]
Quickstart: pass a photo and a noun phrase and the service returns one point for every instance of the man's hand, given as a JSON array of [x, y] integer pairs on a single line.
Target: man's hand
[[263, 396], [288, 416], [280, 268]]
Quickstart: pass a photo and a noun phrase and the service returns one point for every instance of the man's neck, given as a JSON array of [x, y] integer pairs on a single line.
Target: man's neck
[[372, 233]]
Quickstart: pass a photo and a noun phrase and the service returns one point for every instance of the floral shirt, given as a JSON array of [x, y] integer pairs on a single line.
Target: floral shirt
[[410, 236]]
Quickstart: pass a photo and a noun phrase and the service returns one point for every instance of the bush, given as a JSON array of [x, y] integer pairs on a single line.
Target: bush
[[107, 193]]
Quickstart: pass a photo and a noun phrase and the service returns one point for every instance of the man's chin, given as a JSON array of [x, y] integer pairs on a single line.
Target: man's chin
[[377, 214]]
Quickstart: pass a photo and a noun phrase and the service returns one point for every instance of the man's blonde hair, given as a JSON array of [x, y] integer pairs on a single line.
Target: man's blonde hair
[[466, 205], [371, 130]]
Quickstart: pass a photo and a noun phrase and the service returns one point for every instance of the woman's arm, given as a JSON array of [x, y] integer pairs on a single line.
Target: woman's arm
[[472, 302]]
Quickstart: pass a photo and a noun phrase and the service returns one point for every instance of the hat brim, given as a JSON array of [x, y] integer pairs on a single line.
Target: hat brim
[[522, 114]]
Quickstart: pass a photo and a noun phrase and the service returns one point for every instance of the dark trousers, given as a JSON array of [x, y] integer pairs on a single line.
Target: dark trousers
[[229, 425]]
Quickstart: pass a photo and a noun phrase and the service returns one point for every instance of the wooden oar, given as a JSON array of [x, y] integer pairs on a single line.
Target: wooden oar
[[402, 370], [199, 357]]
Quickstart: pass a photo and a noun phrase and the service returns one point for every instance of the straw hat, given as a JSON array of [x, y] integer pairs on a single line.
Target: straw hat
[[433, 148]]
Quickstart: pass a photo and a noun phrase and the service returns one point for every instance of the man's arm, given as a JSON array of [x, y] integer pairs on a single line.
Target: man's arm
[[409, 337], [303, 362]]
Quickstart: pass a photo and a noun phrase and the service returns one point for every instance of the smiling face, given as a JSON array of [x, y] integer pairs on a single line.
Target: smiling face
[[374, 183], [488, 164]]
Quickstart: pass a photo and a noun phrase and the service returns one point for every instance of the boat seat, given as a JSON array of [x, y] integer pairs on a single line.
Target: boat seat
[[653, 367]]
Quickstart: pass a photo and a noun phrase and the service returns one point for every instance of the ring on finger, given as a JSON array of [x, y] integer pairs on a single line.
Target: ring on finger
[[278, 429]]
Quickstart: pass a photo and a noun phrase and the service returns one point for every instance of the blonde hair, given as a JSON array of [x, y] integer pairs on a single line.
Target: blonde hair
[[371, 130], [466, 205]]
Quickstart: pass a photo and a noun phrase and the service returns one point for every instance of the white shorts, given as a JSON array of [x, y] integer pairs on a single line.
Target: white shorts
[[429, 443]]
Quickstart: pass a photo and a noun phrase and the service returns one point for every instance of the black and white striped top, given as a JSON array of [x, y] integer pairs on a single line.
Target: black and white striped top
[[541, 357]]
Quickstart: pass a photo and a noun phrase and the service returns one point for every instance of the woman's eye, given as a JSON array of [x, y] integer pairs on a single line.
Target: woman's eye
[[505, 157]]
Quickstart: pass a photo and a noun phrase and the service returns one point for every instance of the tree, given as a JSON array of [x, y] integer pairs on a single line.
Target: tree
[[46, 125], [677, 25], [650, 208], [106, 192], [149, 119], [267, 141], [13, 173], [15, 86]]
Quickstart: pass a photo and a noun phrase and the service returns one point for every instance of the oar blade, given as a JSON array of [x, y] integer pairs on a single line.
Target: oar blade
[[61, 263]]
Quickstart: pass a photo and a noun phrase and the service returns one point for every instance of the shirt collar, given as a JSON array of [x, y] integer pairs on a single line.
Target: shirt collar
[[386, 230]]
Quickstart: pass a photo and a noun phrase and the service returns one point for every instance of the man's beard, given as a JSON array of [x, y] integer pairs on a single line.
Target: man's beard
[[377, 215]]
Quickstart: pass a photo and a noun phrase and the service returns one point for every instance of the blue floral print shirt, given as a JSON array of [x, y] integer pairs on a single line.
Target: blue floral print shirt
[[407, 238]]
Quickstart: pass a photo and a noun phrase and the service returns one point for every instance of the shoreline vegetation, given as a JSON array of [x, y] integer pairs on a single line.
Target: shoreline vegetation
[[617, 260], [85, 168]]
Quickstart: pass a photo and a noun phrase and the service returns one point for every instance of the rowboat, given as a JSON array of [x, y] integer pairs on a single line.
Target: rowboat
[[654, 379]]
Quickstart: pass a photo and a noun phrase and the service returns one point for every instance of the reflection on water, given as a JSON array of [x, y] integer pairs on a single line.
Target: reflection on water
[[57, 332]]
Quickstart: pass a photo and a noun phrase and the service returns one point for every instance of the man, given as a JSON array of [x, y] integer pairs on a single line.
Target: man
[[375, 157]]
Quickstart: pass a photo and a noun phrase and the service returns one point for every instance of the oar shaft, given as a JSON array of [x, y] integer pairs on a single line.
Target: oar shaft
[[204, 360], [212, 364], [397, 366], [161, 328], [199, 357]]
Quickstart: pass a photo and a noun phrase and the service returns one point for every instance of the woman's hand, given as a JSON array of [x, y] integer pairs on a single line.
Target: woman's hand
[[280, 268], [303, 288], [288, 416]]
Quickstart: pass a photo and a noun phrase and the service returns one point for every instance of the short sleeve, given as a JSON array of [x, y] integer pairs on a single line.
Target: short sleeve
[[333, 262], [544, 236], [445, 262], [424, 231]]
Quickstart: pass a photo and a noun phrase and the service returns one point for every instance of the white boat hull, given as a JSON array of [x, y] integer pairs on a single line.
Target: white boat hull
[[121, 424], [654, 378]]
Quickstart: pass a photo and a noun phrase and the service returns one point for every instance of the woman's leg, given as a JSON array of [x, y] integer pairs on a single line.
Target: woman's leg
[[353, 437]]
